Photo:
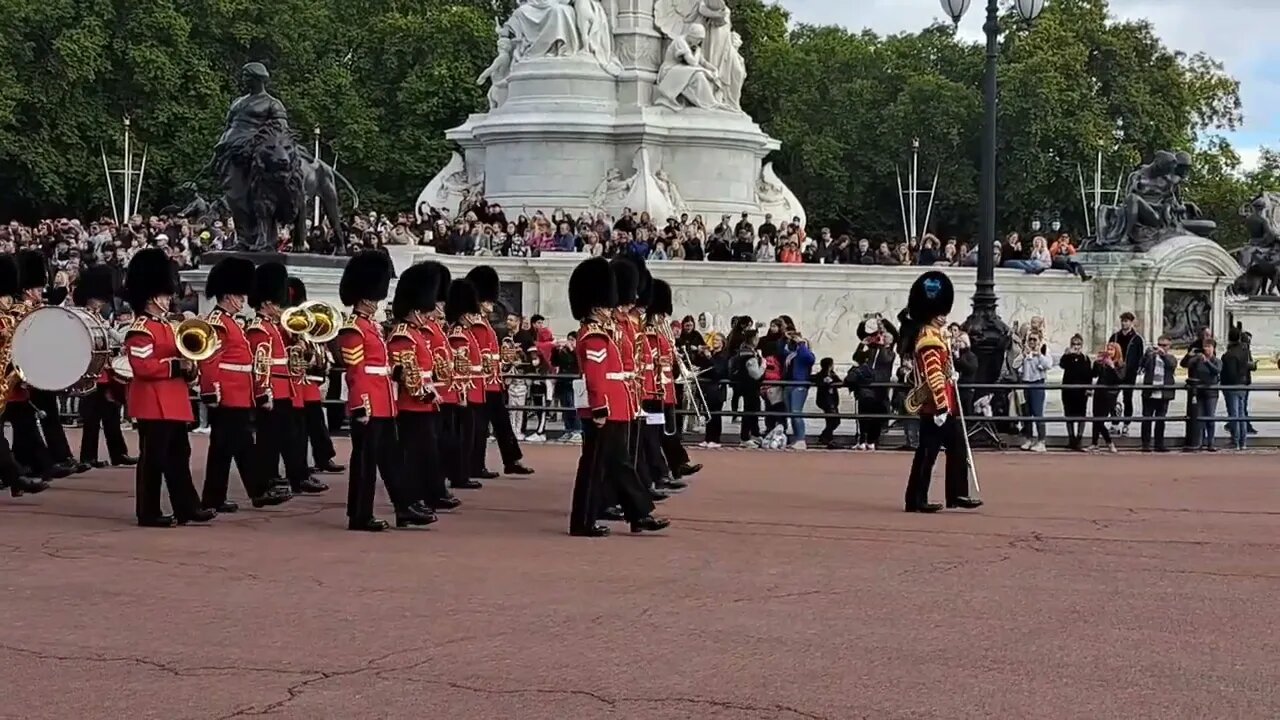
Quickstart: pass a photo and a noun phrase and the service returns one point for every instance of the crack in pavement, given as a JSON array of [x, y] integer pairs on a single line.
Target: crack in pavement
[[145, 662]]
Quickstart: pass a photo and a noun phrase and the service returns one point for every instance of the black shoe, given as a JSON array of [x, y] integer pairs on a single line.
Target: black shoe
[[124, 461], [467, 485], [448, 502], [414, 515], [649, 523], [1146, 448], [1211, 448], [309, 486], [686, 470], [593, 531], [483, 474], [58, 471], [517, 468], [226, 507], [330, 467], [612, 514], [271, 498], [97, 464], [80, 467], [671, 485], [203, 515], [370, 525], [159, 521], [925, 508], [27, 486], [657, 495], [964, 503]]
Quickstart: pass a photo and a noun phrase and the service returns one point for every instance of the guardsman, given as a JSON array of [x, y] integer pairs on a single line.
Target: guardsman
[[451, 398], [281, 425], [632, 282], [928, 305], [227, 388], [158, 394], [466, 381], [100, 409], [651, 461], [10, 473], [493, 412], [606, 398], [371, 401], [661, 307], [417, 411], [307, 386], [37, 444]]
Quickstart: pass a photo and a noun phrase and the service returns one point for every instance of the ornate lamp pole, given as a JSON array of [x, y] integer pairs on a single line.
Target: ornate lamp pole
[[989, 333]]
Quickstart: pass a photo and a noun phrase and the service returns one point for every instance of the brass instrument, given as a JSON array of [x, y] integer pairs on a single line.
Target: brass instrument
[[410, 373], [443, 366], [511, 353], [693, 394], [315, 321], [486, 364], [196, 339], [12, 376], [298, 359], [262, 361]]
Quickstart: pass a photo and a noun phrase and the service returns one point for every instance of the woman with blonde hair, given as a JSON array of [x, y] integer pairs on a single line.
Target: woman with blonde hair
[[1108, 373]]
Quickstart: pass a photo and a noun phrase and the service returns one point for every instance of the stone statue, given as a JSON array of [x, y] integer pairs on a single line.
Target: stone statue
[[497, 72], [543, 28], [611, 191], [720, 49], [775, 197], [1152, 209], [670, 192], [595, 32], [1261, 257], [686, 78]]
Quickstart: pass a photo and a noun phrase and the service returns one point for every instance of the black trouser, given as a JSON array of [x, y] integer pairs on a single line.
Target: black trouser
[[493, 413], [872, 428], [337, 411], [750, 415], [829, 425], [651, 452], [606, 476], [1075, 403], [55, 436], [932, 439], [422, 473], [715, 423], [317, 434], [99, 413], [457, 428], [9, 471], [1154, 408], [164, 457], [1126, 396], [231, 439], [673, 444], [282, 434], [1104, 406], [28, 445], [374, 450]]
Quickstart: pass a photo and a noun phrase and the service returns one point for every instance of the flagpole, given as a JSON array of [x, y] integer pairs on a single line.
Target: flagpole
[[128, 173]]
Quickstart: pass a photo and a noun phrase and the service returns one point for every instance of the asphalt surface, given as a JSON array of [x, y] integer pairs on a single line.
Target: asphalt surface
[[790, 586]]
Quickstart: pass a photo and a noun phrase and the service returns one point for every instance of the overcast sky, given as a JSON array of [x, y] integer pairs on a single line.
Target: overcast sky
[[1232, 31]]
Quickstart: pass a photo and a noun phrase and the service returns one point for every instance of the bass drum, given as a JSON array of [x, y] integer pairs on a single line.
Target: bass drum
[[61, 348]]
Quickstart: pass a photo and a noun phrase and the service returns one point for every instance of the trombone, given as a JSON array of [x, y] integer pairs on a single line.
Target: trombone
[[693, 394]]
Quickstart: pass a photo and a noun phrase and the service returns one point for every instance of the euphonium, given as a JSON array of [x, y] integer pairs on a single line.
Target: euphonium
[[196, 339], [410, 373], [316, 321]]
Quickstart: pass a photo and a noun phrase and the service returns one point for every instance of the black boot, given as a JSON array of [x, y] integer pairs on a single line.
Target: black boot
[[448, 502], [649, 523], [925, 508], [370, 525], [517, 468], [483, 474], [593, 531], [416, 514], [964, 503], [330, 467], [27, 486], [125, 461], [202, 515], [467, 485], [309, 486], [159, 521], [226, 507], [685, 471], [275, 496]]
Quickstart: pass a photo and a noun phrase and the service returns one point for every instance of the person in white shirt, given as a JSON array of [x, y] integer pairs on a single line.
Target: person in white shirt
[[1035, 366]]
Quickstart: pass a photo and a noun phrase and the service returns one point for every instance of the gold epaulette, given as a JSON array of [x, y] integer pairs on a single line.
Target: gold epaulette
[[400, 330], [139, 326], [931, 337], [255, 324], [593, 328], [349, 324]]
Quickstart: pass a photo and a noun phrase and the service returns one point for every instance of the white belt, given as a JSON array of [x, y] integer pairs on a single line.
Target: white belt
[[618, 375], [477, 368], [283, 361], [229, 367], [377, 370]]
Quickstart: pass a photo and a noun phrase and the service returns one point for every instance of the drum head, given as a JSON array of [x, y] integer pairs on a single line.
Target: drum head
[[53, 348]]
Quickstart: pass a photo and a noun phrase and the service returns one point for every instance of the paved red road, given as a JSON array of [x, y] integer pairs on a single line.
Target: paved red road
[[790, 587]]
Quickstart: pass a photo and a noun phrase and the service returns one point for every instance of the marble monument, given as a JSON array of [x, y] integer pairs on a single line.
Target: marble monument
[[609, 104]]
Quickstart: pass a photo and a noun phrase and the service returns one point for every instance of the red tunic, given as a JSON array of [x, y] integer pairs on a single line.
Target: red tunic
[[369, 390], [158, 390], [609, 392], [226, 377], [490, 354], [473, 384], [277, 385], [306, 388], [665, 368], [625, 336], [441, 361], [933, 361], [18, 392], [407, 338]]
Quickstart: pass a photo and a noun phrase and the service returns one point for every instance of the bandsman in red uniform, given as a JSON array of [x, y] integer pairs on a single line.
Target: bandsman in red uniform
[[281, 424], [35, 443], [454, 423], [493, 412], [606, 400], [10, 473], [661, 306], [158, 395], [371, 401], [651, 460], [100, 409], [227, 387], [928, 305], [417, 410], [307, 386], [466, 382]]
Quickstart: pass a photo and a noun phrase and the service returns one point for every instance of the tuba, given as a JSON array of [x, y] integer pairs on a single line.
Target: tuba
[[315, 322], [196, 339]]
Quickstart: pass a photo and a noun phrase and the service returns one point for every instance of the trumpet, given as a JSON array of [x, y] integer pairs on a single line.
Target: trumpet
[[196, 339], [316, 321]]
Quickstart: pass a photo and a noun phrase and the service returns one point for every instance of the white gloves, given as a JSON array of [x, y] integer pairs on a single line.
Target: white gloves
[[939, 419]]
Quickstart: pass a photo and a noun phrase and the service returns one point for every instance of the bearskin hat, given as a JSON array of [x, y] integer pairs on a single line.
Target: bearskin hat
[[230, 276], [661, 301], [297, 291], [644, 287], [151, 273], [626, 278], [446, 279], [270, 285], [462, 301], [367, 276], [932, 294], [592, 285], [417, 289], [97, 282], [8, 276], [485, 280], [33, 270]]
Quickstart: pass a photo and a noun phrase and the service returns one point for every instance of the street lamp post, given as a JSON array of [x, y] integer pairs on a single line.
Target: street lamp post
[[988, 332]]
